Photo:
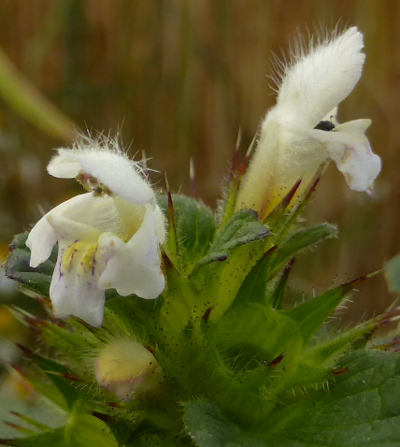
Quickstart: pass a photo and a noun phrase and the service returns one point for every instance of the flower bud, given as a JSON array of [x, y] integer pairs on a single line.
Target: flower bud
[[128, 369]]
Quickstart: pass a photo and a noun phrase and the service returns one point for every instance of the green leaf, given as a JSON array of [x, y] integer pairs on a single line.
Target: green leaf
[[17, 266], [361, 409], [242, 228], [392, 273], [194, 226], [208, 427]]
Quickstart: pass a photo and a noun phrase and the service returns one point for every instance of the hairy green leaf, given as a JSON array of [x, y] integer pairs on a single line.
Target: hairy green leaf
[[361, 409], [194, 225], [208, 427], [242, 228]]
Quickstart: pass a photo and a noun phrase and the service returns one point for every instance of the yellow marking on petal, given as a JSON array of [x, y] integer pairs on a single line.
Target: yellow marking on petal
[[82, 252]]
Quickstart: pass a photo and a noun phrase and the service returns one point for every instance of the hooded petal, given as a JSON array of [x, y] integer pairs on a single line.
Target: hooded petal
[[349, 148], [74, 288], [317, 82], [108, 165], [134, 267]]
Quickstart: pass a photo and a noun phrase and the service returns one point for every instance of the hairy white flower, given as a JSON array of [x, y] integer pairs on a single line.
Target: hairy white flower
[[107, 238], [300, 132]]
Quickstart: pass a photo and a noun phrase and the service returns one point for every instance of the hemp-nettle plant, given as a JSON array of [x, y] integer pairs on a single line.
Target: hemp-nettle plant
[[159, 322]]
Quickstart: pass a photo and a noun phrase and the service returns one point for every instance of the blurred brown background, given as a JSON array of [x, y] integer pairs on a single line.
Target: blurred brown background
[[178, 78]]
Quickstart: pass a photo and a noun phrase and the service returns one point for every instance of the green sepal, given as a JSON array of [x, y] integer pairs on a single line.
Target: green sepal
[[297, 242], [284, 216], [191, 230], [312, 314], [254, 286], [277, 296]]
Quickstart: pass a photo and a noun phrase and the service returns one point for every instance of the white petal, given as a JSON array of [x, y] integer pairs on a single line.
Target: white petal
[[63, 165], [41, 241], [352, 154], [315, 83], [71, 230], [135, 266], [283, 157], [355, 126], [96, 211], [131, 215], [74, 288], [111, 168], [42, 237]]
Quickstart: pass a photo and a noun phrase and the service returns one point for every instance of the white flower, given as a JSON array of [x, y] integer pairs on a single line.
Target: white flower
[[300, 132], [107, 238]]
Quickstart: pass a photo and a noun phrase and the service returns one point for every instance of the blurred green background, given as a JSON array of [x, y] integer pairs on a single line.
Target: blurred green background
[[177, 78]]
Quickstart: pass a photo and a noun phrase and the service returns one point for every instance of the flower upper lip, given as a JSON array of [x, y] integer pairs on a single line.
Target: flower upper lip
[[110, 167]]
